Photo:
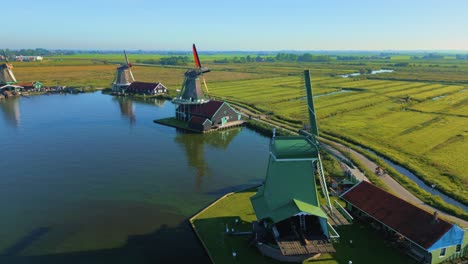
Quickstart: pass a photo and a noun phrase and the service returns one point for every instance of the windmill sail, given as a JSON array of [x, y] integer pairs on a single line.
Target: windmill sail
[[310, 104], [314, 135], [195, 57]]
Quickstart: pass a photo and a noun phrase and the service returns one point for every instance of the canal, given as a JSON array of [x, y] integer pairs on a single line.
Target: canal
[[90, 178]]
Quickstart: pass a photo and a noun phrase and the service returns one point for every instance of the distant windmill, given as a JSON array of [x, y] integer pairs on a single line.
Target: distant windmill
[[124, 76], [6, 74], [192, 92]]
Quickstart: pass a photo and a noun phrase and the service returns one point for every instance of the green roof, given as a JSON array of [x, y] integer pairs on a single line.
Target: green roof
[[289, 189], [293, 148]]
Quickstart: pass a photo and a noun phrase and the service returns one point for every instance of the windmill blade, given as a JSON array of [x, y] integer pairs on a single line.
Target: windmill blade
[[310, 104], [204, 82], [126, 59], [195, 57], [5, 56]]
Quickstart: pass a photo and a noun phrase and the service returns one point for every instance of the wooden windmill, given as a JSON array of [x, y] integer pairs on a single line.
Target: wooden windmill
[[124, 76], [191, 91], [6, 73]]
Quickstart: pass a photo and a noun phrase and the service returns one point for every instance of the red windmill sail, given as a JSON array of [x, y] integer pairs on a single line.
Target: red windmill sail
[[195, 57]]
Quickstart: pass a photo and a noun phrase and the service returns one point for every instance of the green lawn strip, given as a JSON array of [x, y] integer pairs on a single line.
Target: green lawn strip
[[368, 246]]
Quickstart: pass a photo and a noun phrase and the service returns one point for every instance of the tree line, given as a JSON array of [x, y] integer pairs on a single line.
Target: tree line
[[173, 60]]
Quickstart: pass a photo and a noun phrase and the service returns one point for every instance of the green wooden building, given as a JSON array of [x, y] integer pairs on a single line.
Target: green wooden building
[[291, 224]]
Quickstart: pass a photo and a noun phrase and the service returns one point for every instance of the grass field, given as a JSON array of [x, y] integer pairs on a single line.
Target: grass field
[[416, 116]]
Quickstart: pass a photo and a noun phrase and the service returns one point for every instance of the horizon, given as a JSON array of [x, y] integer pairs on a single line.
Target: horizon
[[189, 51], [336, 25]]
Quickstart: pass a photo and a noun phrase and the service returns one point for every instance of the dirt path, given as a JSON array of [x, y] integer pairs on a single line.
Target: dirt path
[[397, 189]]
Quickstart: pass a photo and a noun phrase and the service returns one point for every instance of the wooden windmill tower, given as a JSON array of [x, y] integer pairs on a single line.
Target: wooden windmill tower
[[6, 74], [124, 76], [191, 92]]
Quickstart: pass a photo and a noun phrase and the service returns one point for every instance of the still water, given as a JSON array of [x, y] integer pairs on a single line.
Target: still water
[[90, 178]]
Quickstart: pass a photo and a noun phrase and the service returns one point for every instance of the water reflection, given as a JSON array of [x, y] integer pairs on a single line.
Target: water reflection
[[126, 108], [11, 111], [193, 146]]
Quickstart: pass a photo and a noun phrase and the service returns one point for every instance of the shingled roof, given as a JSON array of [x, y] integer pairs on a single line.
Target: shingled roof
[[412, 222], [207, 109]]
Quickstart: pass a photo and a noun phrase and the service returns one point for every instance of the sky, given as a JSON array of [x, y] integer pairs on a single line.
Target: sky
[[249, 25]]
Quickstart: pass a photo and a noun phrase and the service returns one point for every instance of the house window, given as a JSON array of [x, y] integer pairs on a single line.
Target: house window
[[442, 252], [458, 248]]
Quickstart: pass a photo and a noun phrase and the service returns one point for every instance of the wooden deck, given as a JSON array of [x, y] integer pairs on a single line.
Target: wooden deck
[[314, 247], [335, 218]]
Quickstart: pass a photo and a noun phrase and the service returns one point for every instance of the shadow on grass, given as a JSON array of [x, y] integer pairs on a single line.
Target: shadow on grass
[[241, 188], [26, 241], [165, 245], [222, 244]]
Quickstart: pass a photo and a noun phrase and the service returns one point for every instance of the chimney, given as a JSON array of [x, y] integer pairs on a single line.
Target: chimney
[[436, 219]]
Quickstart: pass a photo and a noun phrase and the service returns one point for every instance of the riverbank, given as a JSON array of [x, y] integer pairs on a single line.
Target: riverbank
[[234, 211]]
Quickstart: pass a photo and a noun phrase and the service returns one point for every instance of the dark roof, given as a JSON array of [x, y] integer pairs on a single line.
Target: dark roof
[[142, 86], [197, 120], [207, 109], [410, 221]]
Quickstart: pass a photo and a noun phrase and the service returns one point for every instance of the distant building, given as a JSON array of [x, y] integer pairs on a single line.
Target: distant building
[[206, 116], [426, 237], [31, 85], [123, 77], [146, 88], [28, 58]]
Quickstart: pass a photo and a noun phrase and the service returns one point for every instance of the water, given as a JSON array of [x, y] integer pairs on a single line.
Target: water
[[420, 183], [332, 93], [325, 94], [438, 97], [373, 72], [90, 178]]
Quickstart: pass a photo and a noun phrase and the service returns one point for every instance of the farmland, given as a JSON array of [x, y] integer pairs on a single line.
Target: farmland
[[415, 116]]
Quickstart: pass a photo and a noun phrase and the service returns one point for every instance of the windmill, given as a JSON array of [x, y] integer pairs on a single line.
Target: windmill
[[124, 76], [192, 92], [313, 136], [6, 74]]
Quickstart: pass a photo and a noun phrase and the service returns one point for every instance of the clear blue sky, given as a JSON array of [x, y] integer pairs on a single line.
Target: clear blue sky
[[236, 24]]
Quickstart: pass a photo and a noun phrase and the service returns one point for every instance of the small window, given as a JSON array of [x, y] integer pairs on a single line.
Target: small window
[[442, 252], [458, 248]]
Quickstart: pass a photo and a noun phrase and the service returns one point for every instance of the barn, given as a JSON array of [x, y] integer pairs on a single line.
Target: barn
[[147, 88], [203, 117], [425, 236]]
